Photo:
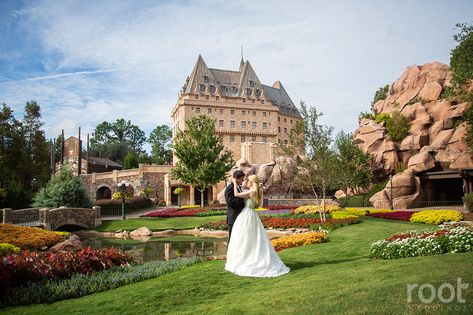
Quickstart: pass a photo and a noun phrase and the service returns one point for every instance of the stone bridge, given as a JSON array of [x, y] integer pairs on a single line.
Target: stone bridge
[[54, 218]]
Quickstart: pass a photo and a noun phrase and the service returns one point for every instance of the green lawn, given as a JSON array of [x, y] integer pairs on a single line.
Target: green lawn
[[329, 278], [158, 224]]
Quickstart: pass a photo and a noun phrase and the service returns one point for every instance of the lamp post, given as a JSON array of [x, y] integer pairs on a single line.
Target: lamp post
[[123, 187], [391, 184]]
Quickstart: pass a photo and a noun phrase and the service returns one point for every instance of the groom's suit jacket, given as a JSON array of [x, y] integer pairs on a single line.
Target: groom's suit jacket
[[234, 204]]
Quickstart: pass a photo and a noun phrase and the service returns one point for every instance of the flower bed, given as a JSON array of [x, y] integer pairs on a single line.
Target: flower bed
[[7, 249], [299, 240], [176, 212], [427, 242], [343, 215], [393, 215], [436, 216], [355, 211], [49, 291], [28, 237], [281, 207], [316, 209], [219, 225], [288, 222], [332, 224], [211, 213], [24, 267]]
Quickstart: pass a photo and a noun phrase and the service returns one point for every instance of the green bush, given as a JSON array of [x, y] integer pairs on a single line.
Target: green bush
[[398, 127], [131, 160], [468, 201], [366, 115], [384, 117], [64, 189], [380, 94], [6, 249], [361, 200], [84, 284], [15, 197], [461, 57]]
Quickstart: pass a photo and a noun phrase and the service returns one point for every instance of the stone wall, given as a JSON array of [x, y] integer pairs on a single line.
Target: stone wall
[[296, 202], [53, 219], [20, 216]]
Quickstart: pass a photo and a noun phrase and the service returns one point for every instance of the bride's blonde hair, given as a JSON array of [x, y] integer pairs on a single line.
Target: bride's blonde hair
[[257, 194]]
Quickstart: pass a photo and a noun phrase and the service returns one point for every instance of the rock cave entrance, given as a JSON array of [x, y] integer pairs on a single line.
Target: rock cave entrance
[[446, 186]]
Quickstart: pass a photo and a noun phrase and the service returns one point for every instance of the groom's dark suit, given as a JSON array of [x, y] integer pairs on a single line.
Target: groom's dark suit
[[234, 207]]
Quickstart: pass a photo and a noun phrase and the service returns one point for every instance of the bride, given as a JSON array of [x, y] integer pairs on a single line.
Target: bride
[[250, 252]]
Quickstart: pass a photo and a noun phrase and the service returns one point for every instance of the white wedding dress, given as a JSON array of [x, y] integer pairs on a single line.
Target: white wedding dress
[[250, 252]]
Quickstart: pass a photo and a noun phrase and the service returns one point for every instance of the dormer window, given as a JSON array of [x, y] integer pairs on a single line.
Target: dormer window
[[201, 87], [252, 83], [211, 88], [234, 89], [257, 93], [224, 88], [248, 92], [206, 79]]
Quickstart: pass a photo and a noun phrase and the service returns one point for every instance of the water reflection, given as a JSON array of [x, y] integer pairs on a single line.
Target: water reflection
[[160, 248]]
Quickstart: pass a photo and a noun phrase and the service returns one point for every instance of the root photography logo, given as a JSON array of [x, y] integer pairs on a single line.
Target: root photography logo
[[445, 296]]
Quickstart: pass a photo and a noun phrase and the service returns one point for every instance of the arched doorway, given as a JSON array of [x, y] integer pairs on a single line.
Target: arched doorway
[[104, 193]]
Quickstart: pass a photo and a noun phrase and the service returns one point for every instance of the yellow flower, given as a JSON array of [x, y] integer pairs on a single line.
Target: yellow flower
[[311, 209], [436, 216], [299, 240]]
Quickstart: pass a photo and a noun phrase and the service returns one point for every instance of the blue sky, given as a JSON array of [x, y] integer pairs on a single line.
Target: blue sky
[[90, 61]]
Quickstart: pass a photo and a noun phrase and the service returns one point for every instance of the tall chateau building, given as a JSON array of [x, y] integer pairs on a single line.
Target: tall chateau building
[[250, 116]]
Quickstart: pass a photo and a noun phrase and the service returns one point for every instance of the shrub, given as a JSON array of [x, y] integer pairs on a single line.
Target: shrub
[[15, 197], [64, 189], [427, 242], [189, 206], [393, 215], [211, 213], [316, 209], [27, 237], [19, 269], [380, 94], [219, 225], [398, 127], [360, 200], [299, 240], [384, 117], [78, 285], [436, 216], [366, 115], [110, 205], [6, 249], [162, 203], [468, 200]]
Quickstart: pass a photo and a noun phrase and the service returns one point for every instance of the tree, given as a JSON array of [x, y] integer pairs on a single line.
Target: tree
[[353, 164], [161, 145], [397, 126], [461, 57], [64, 189], [316, 161], [114, 140], [131, 160], [203, 160]]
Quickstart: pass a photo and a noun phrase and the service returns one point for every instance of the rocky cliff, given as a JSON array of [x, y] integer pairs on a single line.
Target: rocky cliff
[[436, 134]]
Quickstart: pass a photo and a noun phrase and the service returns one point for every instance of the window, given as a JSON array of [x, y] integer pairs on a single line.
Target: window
[[224, 88], [243, 138], [291, 121], [211, 88], [252, 83], [265, 125], [232, 138], [221, 111], [279, 140], [285, 119], [196, 96], [209, 110], [232, 112], [206, 97], [285, 130], [201, 87], [244, 100], [217, 98], [232, 124], [206, 79], [279, 129], [264, 138], [220, 123], [197, 110], [253, 138], [248, 92], [257, 93], [234, 89], [243, 124], [254, 113], [253, 100], [253, 125], [279, 119], [285, 141], [243, 112], [264, 114]]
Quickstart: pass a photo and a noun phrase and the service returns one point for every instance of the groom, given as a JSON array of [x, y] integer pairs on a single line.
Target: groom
[[234, 204]]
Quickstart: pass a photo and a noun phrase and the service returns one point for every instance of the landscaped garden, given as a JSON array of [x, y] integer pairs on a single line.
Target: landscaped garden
[[345, 251]]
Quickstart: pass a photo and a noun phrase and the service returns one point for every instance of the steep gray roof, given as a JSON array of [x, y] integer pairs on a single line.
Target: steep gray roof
[[103, 161], [241, 83]]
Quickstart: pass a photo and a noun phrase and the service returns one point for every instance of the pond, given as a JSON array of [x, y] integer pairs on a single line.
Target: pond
[[163, 248]]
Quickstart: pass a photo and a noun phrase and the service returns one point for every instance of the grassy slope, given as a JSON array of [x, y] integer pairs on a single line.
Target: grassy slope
[[329, 278], [158, 224]]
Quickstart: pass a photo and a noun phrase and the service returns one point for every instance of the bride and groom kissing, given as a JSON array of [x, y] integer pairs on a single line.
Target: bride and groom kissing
[[250, 252]]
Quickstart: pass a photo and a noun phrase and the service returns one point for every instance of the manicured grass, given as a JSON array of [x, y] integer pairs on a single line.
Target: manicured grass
[[328, 278], [158, 224]]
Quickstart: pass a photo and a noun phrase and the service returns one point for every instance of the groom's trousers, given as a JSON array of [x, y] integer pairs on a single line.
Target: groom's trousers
[[230, 226]]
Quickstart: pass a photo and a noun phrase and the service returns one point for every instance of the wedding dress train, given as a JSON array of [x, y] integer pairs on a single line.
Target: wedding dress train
[[250, 252]]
